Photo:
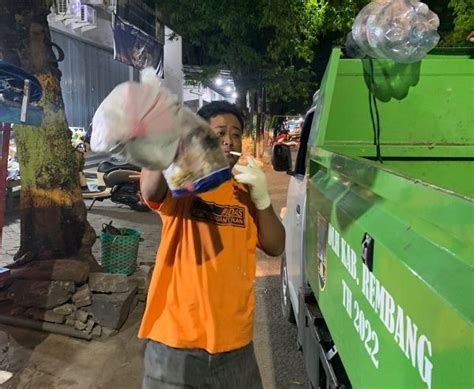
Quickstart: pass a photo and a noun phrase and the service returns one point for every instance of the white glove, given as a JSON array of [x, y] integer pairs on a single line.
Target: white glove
[[254, 177]]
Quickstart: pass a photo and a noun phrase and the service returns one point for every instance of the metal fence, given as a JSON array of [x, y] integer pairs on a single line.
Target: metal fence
[[89, 73]]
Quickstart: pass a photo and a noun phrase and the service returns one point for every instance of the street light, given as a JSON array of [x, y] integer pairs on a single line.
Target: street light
[[234, 95], [218, 81], [228, 89]]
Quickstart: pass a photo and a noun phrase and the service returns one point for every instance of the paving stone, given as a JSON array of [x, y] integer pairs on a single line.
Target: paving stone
[[82, 297], [41, 294], [111, 310], [108, 283]]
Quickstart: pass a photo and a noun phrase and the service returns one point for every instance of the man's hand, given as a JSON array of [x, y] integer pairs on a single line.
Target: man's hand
[[253, 176], [153, 185], [271, 233]]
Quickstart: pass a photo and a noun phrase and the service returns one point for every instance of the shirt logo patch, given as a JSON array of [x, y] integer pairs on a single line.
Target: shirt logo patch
[[218, 214]]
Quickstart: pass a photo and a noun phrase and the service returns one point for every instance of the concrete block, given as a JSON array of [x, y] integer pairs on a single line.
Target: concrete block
[[112, 310], [41, 294], [134, 303], [108, 283], [141, 278]]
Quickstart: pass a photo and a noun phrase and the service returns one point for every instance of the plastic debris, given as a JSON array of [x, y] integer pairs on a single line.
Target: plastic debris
[[401, 30]]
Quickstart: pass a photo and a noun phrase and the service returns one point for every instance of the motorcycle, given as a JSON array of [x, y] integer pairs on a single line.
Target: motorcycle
[[289, 139], [117, 180]]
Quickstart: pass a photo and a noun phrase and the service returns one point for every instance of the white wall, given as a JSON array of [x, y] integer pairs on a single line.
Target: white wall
[[173, 64], [102, 35], [205, 94]]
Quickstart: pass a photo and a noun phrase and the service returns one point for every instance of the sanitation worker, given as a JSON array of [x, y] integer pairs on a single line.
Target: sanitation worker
[[199, 313]]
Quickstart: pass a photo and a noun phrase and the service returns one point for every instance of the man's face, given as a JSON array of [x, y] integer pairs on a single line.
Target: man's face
[[227, 128]]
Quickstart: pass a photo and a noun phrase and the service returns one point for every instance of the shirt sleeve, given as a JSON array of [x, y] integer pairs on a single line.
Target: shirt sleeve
[[160, 206]]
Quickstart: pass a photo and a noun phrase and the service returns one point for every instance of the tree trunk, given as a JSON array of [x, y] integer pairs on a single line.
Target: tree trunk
[[258, 128], [241, 101], [264, 129], [53, 214]]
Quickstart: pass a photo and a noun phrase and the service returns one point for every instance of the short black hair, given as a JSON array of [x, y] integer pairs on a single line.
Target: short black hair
[[220, 107]]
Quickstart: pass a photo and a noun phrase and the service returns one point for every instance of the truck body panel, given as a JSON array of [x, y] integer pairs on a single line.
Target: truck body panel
[[388, 236], [294, 220]]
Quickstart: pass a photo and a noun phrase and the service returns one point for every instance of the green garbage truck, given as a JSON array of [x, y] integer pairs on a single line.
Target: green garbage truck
[[378, 266]]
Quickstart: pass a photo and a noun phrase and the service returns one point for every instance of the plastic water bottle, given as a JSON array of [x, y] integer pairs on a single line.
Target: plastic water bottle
[[401, 30]]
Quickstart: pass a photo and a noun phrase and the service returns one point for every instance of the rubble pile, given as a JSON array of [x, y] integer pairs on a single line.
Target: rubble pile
[[62, 296]]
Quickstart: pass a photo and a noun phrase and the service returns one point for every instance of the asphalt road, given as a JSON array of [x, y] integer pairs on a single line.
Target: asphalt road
[[281, 364]]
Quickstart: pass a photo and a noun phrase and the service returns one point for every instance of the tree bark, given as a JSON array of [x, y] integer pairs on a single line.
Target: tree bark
[[241, 100], [258, 128], [53, 214]]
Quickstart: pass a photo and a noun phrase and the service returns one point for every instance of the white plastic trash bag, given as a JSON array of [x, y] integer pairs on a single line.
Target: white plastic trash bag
[[141, 120], [145, 122]]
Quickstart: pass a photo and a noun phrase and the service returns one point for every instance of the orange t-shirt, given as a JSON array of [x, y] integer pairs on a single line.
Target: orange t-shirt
[[201, 292]]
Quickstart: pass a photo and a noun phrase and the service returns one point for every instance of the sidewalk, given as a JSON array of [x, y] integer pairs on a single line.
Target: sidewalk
[[149, 225], [50, 361]]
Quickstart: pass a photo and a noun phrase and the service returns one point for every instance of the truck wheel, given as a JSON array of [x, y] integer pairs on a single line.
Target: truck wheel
[[286, 308]]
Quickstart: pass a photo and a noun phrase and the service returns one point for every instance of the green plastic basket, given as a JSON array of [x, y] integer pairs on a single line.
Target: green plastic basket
[[119, 252]]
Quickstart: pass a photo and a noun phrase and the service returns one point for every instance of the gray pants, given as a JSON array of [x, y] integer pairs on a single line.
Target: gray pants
[[168, 367]]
